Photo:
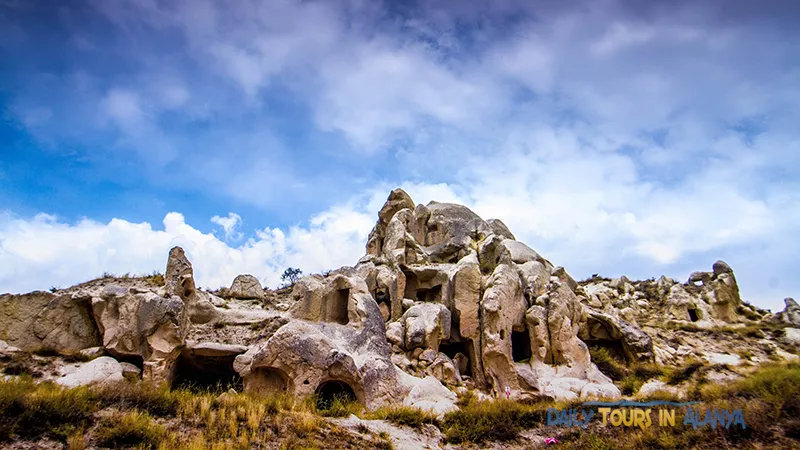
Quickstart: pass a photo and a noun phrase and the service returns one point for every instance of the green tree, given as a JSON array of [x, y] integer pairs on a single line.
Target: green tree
[[291, 275]]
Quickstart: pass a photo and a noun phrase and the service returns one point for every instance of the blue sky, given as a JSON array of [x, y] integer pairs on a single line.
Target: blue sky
[[614, 137]]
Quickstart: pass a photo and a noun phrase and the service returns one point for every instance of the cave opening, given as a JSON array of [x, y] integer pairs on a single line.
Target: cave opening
[[336, 306], [521, 345], [416, 292], [693, 316], [412, 284], [384, 304], [434, 294], [459, 352], [329, 391], [206, 373]]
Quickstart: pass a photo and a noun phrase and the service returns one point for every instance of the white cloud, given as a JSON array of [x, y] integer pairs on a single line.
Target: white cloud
[[42, 251], [230, 225], [612, 138]]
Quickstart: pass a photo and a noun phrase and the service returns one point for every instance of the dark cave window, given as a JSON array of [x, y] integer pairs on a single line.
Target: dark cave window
[[200, 373], [334, 389], [521, 345]]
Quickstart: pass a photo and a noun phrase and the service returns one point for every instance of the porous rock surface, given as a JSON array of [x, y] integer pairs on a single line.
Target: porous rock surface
[[442, 302]]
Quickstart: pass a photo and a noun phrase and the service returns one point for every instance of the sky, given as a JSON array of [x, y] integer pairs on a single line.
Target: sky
[[614, 137]]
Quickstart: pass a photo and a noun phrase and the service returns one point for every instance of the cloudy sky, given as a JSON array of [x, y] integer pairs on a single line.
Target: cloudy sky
[[614, 137]]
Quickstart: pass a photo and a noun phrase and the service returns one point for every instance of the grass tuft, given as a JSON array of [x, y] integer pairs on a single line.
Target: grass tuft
[[404, 415], [131, 429]]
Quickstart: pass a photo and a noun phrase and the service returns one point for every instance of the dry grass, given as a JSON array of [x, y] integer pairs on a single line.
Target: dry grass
[[147, 416], [131, 429], [404, 416]]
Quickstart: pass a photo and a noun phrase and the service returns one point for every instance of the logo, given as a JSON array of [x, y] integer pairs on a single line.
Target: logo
[[645, 414]]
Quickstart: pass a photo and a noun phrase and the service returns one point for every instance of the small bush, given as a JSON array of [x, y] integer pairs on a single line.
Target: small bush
[[777, 385], [129, 430], [156, 278]]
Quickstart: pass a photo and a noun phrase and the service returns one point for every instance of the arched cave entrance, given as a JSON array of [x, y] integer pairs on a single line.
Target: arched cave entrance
[[330, 390], [521, 345], [335, 304], [205, 373]]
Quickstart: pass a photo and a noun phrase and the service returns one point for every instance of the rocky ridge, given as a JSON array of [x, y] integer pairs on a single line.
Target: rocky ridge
[[442, 303]]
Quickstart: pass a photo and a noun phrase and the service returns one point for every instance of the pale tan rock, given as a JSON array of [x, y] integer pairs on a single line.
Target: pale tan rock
[[499, 228], [428, 394], [98, 371], [6, 349], [791, 313], [42, 320], [653, 387], [246, 287], [426, 324], [145, 325], [467, 296]]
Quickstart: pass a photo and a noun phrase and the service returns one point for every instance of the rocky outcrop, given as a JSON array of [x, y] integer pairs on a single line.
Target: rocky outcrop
[[442, 301], [505, 305], [144, 326], [790, 314], [337, 335], [41, 320], [246, 287], [617, 335]]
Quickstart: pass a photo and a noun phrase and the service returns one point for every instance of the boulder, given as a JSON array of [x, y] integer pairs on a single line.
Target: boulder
[[428, 394], [497, 227], [62, 323], [246, 287], [130, 372], [654, 387], [790, 335], [98, 371], [6, 349], [426, 324]]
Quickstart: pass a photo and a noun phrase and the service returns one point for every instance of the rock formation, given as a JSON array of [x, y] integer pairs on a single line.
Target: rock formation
[[442, 301]]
